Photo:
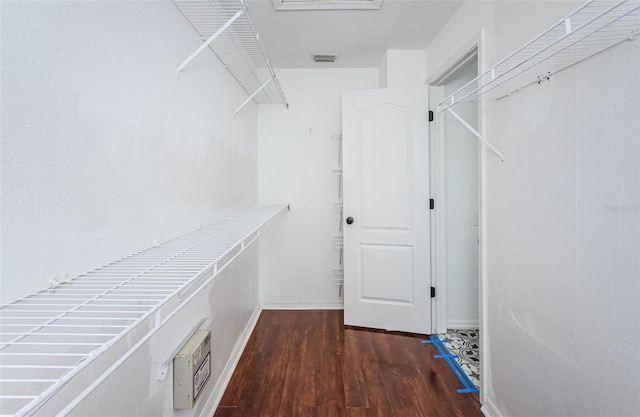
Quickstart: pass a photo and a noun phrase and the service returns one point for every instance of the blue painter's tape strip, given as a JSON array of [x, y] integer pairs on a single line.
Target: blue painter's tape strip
[[462, 376], [445, 354], [435, 342], [469, 384]]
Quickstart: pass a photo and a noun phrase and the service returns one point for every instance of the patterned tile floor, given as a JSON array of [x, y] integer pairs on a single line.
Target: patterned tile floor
[[465, 344]]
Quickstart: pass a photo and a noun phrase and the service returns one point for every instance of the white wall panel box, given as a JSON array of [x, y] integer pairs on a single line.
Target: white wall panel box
[[191, 370]]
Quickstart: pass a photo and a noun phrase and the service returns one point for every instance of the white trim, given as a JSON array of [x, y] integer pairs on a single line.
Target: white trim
[[461, 57], [459, 65], [485, 357], [438, 223], [469, 51], [476, 42], [302, 306], [462, 324], [215, 397], [489, 409]]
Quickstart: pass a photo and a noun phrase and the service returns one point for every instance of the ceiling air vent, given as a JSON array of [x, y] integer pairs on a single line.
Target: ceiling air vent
[[324, 58]]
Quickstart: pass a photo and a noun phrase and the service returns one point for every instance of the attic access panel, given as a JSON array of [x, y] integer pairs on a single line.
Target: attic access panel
[[284, 5]]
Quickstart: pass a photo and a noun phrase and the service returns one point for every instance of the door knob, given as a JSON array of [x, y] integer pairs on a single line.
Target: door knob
[[349, 220]]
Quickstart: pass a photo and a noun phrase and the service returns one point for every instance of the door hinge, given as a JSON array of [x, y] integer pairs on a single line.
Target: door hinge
[[433, 292], [430, 116], [432, 204]]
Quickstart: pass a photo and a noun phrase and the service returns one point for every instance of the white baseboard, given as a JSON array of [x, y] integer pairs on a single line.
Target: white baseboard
[[225, 377], [302, 306], [489, 409], [462, 324]]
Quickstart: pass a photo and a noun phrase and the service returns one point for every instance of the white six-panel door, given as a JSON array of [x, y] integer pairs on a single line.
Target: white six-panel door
[[386, 194]]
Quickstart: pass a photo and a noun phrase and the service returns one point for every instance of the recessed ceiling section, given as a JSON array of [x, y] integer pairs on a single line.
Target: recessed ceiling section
[[360, 37], [297, 5]]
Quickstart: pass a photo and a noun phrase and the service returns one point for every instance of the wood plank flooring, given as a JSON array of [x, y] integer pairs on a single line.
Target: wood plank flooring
[[306, 364]]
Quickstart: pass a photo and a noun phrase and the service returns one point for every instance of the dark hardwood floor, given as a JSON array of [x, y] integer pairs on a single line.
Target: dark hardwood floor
[[305, 364]]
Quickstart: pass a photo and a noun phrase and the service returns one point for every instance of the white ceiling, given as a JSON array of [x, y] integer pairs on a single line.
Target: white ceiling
[[360, 37]]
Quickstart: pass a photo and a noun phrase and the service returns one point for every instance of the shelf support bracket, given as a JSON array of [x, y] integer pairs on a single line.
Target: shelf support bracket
[[475, 133], [162, 375], [244, 103], [211, 39]]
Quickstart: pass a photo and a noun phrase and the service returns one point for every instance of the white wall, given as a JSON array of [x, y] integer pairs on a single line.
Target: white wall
[[296, 156], [382, 71], [402, 68], [562, 223], [104, 148], [104, 151], [405, 68], [461, 209]]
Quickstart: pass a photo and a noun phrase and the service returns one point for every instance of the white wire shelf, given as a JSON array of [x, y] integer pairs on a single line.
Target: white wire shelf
[[50, 335], [592, 28], [228, 30]]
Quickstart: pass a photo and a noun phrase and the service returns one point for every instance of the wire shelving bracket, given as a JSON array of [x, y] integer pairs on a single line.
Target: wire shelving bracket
[[590, 29], [227, 29]]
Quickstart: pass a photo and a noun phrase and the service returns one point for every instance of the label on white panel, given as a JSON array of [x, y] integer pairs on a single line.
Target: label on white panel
[[201, 376]]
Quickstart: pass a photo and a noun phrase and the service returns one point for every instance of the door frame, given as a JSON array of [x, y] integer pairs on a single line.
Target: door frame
[[438, 176], [436, 81]]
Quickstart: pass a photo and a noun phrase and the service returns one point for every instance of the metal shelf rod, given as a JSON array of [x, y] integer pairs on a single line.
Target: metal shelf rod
[[244, 103], [211, 39], [571, 33], [592, 28], [477, 134]]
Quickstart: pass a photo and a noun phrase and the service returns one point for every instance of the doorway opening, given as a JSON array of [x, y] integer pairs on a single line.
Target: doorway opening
[[456, 241]]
